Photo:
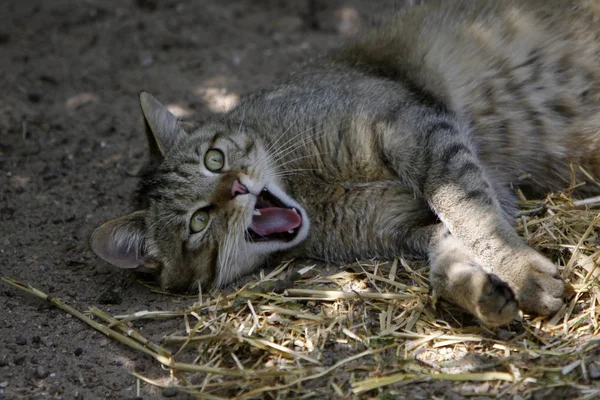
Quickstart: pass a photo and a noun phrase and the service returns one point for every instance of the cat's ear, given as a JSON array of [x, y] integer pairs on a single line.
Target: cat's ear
[[121, 241], [162, 128]]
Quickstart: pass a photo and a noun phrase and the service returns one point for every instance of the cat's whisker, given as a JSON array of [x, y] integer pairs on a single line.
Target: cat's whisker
[[282, 152], [229, 252], [242, 120], [289, 171], [241, 233], [288, 175], [275, 162], [275, 152], [284, 173], [225, 267], [271, 146], [283, 145], [301, 158], [238, 237], [271, 157]]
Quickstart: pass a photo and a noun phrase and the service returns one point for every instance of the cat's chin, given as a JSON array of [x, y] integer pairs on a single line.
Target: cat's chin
[[278, 221]]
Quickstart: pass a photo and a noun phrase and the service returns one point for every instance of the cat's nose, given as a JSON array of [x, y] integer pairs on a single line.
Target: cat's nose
[[237, 188]]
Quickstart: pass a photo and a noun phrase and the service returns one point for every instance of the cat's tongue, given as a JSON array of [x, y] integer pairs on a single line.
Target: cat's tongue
[[275, 220]]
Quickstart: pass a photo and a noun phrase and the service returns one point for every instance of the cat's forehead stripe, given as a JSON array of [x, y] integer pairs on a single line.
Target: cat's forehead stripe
[[249, 146], [220, 136], [194, 162], [175, 173], [230, 139]]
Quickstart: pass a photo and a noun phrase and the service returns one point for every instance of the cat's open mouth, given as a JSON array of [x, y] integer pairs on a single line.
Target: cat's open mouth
[[272, 219]]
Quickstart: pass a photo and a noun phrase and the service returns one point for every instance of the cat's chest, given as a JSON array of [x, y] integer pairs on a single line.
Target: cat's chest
[[349, 221]]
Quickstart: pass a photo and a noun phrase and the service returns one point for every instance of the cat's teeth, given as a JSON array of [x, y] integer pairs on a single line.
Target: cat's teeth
[[291, 231], [296, 211], [256, 212]]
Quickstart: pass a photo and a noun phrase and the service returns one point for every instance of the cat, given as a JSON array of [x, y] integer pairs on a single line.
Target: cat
[[407, 141]]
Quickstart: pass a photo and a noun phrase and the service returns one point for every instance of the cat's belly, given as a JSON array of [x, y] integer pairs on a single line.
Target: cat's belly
[[358, 221]]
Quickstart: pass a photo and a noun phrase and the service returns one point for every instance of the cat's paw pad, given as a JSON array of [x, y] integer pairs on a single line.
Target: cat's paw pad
[[497, 304], [539, 288]]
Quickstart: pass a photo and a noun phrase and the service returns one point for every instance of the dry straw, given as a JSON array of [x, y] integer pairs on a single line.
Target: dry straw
[[372, 330]]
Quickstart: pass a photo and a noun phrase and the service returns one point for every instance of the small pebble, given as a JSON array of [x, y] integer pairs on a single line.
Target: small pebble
[[110, 297], [3, 361], [147, 62], [4, 38], [35, 360], [41, 372], [78, 351], [21, 340], [503, 334], [103, 342], [34, 97], [170, 392], [67, 161], [19, 359], [288, 24], [347, 21], [149, 5], [594, 370]]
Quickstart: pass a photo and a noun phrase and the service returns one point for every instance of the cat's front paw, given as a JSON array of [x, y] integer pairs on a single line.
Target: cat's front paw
[[497, 304], [538, 286]]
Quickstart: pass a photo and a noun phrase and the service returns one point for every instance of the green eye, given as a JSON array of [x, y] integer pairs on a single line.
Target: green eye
[[214, 160], [199, 221]]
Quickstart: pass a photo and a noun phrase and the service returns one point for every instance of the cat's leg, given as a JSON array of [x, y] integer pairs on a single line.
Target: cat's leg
[[459, 191], [457, 276], [439, 160]]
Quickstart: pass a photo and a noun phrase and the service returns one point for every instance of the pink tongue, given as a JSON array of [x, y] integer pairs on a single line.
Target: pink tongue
[[275, 220]]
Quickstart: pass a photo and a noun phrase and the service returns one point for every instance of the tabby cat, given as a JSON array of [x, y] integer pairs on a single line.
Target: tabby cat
[[408, 141]]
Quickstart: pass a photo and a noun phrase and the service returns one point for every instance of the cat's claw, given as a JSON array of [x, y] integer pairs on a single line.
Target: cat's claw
[[497, 304], [466, 283]]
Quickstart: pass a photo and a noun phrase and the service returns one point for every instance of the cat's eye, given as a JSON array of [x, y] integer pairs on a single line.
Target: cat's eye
[[214, 160], [199, 221]]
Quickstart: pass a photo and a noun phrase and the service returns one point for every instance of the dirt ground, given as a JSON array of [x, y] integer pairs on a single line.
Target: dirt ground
[[71, 141]]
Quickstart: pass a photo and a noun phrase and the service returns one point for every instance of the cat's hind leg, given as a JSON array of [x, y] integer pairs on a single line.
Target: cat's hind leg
[[457, 277]]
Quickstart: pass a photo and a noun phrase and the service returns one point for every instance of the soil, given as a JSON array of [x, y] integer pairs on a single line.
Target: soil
[[71, 142]]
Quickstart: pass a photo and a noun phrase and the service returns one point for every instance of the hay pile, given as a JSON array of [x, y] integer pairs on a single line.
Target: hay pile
[[372, 330]]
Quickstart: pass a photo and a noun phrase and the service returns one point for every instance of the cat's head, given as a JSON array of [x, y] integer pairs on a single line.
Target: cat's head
[[213, 206]]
